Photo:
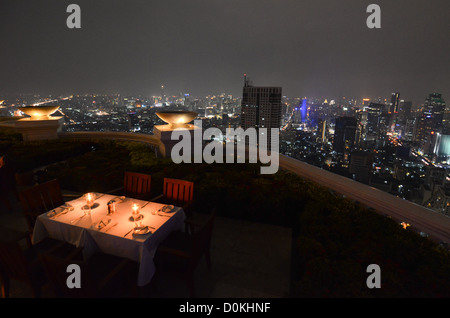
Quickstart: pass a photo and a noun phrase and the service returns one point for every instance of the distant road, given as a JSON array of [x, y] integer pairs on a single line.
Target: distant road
[[436, 225]]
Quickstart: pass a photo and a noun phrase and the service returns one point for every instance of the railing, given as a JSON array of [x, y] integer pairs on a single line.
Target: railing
[[434, 224], [108, 135]]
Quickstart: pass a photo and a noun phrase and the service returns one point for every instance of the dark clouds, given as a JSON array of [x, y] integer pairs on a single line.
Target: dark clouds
[[311, 47]]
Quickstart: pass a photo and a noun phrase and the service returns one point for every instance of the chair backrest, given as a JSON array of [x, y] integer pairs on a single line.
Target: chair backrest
[[7, 173], [13, 262], [178, 191], [40, 199], [137, 184], [201, 239]]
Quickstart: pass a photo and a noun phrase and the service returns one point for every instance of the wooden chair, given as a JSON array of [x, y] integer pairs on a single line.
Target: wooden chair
[[137, 185], [179, 193], [103, 275], [181, 252], [19, 261], [39, 199], [8, 188]]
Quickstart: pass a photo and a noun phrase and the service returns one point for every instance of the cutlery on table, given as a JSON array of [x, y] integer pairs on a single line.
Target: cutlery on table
[[60, 213], [109, 228], [129, 232]]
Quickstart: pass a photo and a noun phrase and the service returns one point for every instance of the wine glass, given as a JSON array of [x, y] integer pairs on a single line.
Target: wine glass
[[89, 201], [135, 213]]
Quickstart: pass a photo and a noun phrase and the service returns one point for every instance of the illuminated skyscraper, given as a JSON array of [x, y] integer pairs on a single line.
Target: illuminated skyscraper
[[430, 121], [372, 128], [260, 107], [163, 94], [322, 131], [395, 102]]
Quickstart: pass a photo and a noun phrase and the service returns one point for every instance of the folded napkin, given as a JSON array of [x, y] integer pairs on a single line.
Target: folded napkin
[[60, 209], [100, 225]]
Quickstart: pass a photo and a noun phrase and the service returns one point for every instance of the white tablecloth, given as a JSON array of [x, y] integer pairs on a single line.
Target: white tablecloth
[[110, 239]]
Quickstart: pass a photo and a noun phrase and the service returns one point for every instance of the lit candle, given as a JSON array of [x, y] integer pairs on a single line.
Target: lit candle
[[89, 199], [135, 208]]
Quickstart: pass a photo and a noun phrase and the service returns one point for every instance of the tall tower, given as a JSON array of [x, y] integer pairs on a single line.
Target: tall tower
[[260, 107], [344, 134], [430, 121], [163, 94], [395, 102]]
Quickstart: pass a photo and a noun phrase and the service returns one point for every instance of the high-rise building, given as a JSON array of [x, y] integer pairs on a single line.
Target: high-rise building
[[260, 107], [163, 94], [374, 111], [404, 113], [430, 121], [322, 131], [361, 165], [344, 134], [392, 114], [395, 103]]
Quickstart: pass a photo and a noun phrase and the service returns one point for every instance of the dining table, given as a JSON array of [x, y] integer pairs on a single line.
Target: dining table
[[119, 232]]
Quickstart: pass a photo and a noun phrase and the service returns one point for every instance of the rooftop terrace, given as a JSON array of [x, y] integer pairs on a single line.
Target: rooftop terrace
[[279, 235]]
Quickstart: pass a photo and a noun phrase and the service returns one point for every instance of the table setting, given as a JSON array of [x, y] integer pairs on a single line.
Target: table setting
[[117, 225]]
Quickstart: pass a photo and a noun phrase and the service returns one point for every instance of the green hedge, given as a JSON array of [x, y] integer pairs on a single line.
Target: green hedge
[[334, 239]]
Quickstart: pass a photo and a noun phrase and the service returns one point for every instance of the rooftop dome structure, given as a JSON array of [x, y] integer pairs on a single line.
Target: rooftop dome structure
[[177, 119], [39, 112]]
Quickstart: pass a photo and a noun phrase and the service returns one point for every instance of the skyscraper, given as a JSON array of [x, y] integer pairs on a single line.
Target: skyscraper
[[404, 113], [395, 102], [260, 107], [374, 112], [322, 131], [430, 121], [344, 134], [392, 116]]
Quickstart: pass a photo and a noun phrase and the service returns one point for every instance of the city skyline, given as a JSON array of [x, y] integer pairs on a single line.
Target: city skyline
[[320, 49]]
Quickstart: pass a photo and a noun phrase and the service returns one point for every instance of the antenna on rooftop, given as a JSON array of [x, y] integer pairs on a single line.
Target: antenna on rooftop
[[247, 82]]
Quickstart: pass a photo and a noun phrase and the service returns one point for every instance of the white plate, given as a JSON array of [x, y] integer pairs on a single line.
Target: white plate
[[141, 230], [167, 208]]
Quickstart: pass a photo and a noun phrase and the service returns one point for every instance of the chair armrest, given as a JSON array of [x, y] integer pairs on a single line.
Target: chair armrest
[[157, 198], [173, 252]]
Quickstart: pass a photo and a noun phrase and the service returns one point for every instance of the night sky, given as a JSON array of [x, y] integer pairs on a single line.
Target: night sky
[[310, 48]]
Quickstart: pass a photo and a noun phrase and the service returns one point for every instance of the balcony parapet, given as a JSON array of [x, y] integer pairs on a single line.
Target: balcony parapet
[[434, 224], [111, 135]]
